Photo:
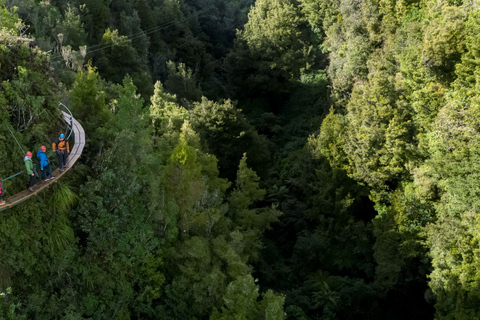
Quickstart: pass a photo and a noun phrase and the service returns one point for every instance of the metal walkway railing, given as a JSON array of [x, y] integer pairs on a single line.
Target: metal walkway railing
[[76, 152]]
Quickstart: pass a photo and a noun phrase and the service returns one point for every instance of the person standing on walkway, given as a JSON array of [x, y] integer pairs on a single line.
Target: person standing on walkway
[[62, 148], [45, 164], [29, 166], [1, 194]]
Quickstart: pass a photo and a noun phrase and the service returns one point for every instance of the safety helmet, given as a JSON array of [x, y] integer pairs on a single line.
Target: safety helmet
[[62, 136], [43, 148], [29, 154]]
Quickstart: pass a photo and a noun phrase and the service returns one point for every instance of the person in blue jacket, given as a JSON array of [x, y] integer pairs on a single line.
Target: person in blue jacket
[[45, 164]]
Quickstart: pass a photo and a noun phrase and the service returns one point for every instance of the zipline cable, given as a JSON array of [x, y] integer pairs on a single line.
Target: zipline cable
[[51, 153], [147, 31], [141, 34], [79, 145], [13, 176], [58, 55], [16, 140], [71, 119], [34, 166], [16, 174]]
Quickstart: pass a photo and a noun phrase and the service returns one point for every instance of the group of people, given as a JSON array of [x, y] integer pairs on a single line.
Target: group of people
[[61, 147]]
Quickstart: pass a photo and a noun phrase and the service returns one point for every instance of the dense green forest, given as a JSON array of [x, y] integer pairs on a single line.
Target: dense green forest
[[267, 159]]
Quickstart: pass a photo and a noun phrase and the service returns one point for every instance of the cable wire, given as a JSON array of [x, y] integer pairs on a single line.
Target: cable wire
[[34, 166], [137, 35], [16, 140]]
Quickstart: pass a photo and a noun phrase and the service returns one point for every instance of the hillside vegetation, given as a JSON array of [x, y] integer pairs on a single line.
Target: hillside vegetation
[[268, 159]]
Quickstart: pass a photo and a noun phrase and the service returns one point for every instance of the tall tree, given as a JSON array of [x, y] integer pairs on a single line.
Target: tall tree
[[271, 51]]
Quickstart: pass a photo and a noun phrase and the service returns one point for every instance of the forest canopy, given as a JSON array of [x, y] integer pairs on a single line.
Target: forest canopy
[[267, 159]]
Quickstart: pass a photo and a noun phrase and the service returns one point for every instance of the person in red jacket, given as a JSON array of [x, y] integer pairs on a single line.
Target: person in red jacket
[[2, 203]]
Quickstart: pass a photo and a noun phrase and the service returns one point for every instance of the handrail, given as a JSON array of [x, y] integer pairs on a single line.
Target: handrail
[[69, 135], [79, 144], [71, 118]]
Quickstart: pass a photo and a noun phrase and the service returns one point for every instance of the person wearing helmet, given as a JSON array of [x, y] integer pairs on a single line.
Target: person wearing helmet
[[2, 203], [61, 147], [29, 166], [45, 164]]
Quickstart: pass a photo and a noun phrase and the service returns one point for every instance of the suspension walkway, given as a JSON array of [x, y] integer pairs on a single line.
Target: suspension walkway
[[75, 153]]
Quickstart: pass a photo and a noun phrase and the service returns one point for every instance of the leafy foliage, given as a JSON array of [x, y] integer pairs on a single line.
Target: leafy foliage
[[271, 51], [340, 184]]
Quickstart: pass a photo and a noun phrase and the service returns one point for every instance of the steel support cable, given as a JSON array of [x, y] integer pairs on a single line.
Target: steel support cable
[[147, 31], [79, 145], [16, 140], [153, 29], [71, 119], [34, 166], [59, 58], [50, 154], [16, 174]]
